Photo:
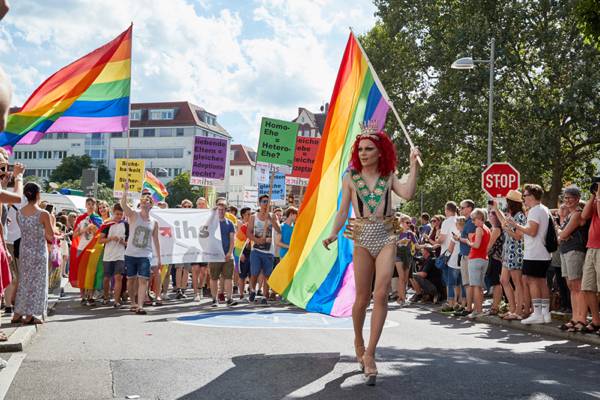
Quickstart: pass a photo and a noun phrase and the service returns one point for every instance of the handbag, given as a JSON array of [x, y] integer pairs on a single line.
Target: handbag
[[442, 260], [55, 255]]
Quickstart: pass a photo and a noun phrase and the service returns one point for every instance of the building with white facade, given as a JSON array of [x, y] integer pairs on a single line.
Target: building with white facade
[[162, 134], [243, 185]]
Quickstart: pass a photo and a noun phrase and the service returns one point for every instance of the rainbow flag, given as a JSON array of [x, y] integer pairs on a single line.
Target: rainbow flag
[[241, 238], [310, 276], [89, 95], [80, 272], [157, 189]]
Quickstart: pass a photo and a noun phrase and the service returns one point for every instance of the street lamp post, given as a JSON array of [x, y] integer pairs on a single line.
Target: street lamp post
[[469, 63]]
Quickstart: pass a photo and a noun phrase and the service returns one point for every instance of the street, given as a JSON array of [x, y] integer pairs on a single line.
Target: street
[[186, 351]]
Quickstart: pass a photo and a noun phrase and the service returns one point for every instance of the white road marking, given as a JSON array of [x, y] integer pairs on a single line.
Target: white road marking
[[7, 375]]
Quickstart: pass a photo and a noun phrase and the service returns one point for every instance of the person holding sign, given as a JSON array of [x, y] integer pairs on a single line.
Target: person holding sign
[[368, 186], [260, 232], [143, 230]]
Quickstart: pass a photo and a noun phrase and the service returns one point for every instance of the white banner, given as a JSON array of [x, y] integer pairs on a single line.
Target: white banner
[[296, 181], [263, 171], [188, 235]]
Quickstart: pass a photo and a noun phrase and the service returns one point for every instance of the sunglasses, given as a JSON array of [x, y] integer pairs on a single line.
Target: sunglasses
[[264, 201]]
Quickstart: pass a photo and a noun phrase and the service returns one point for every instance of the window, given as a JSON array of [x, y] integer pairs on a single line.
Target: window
[[116, 134], [135, 115], [60, 154], [134, 133], [176, 171], [232, 172], [179, 131], [44, 154], [165, 132], [149, 153], [62, 135], [163, 114], [17, 155], [240, 172], [149, 132], [96, 154], [48, 136]]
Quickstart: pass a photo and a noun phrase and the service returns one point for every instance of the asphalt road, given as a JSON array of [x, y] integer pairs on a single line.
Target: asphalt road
[[186, 351]]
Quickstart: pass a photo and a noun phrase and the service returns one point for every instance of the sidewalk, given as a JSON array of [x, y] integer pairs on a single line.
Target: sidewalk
[[20, 335], [550, 329]]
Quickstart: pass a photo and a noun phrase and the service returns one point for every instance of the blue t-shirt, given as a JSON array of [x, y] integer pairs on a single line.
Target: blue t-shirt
[[286, 237], [470, 227], [226, 229]]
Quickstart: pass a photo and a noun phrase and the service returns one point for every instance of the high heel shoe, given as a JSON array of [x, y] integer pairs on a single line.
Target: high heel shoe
[[370, 370], [359, 348]]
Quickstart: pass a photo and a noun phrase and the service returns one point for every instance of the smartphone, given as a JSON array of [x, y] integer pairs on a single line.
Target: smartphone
[[490, 202], [50, 208]]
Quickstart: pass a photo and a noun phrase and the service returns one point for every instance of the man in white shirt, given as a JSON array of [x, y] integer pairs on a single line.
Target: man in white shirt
[[536, 259], [445, 238]]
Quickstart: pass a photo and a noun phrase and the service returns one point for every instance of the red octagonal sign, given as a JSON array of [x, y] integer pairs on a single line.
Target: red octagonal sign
[[499, 178]]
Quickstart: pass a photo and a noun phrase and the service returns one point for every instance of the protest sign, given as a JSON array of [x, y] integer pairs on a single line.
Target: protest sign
[[305, 155], [188, 235], [135, 173], [277, 142], [210, 158], [295, 181], [278, 192]]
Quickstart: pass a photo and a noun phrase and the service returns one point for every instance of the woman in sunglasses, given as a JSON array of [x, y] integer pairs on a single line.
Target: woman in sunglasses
[[368, 186]]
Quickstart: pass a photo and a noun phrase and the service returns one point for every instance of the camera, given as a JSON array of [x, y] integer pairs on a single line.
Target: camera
[[595, 182], [490, 202]]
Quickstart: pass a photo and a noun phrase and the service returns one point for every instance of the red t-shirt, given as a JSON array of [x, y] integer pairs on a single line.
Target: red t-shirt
[[480, 252], [594, 232]]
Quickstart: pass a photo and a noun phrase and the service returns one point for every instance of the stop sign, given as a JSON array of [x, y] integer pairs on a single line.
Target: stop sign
[[499, 178]]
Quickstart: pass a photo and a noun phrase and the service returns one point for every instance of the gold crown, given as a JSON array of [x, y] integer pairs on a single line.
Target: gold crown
[[369, 129]]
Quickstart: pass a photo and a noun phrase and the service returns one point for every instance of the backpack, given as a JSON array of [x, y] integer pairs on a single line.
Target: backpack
[[551, 242]]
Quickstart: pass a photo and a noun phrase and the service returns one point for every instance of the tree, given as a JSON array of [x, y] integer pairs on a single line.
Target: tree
[[71, 168], [179, 188], [547, 101], [587, 14]]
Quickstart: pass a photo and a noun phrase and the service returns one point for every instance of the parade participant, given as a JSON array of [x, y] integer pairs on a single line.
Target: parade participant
[[405, 251], [444, 239], [287, 228], [37, 232], [138, 253], [114, 237], [84, 230], [104, 210], [590, 281], [368, 186], [260, 232], [182, 270], [244, 250], [224, 268], [466, 208], [199, 270]]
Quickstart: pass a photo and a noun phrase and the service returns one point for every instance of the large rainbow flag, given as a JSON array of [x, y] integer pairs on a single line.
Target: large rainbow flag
[[89, 95], [310, 276]]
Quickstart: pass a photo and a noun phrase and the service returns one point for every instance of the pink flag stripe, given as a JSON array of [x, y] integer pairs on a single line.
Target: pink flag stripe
[[342, 306], [380, 113], [90, 124]]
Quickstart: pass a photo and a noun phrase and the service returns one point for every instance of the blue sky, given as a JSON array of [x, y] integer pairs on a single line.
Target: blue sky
[[240, 59]]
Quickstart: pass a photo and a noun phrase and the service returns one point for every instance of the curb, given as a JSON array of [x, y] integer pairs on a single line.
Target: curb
[[541, 329], [19, 339]]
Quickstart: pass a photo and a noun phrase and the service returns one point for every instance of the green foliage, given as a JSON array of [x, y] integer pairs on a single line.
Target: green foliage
[[179, 189], [71, 168], [587, 13], [547, 97]]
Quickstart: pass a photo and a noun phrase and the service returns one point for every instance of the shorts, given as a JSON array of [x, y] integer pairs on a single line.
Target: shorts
[[186, 266], [464, 270], [493, 271], [477, 268], [245, 267], [590, 282], [260, 261], [536, 268], [571, 264], [404, 256], [137, 267], [221, 268], [112, 268], [199, 265]]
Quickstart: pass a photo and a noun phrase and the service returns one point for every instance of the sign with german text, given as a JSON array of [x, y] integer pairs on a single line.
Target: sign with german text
[[278, 192], [135, 173], [305, 155], [210, 158], [295, 181], [277, 142]]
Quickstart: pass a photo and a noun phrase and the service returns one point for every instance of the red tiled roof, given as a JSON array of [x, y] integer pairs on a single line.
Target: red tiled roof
[[241, 155]]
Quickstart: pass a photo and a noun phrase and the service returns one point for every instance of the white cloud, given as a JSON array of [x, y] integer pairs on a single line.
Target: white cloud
[[183, 52]]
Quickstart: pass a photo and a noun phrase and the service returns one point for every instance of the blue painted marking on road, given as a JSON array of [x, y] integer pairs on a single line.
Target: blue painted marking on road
[[269, 320]]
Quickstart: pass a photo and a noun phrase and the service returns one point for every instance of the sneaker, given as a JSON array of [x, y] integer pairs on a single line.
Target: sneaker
[[183, 296], [90, 302], [179, 295], [197, 297], [533, 319], [8, 309], [221, 297], [105, 302], [458, 307], [214, 303], [231, 303], [117, 305], [547, 318], [263, 301], [252, 297], [474, 315], [447, 308], [461, 313]]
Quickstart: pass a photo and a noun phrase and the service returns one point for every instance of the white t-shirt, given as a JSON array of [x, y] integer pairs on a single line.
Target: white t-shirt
[[139, 243], [534, 245], [453, 260], [448, 226], [13, 229], [115, 251]]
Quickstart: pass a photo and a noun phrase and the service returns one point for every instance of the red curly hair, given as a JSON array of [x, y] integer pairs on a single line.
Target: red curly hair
[[387, 150]]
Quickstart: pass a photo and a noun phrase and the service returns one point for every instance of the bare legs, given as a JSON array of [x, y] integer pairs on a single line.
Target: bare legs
[[402, 280]]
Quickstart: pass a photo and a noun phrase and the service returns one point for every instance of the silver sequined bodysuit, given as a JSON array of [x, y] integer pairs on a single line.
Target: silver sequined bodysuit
[[374, 232]]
